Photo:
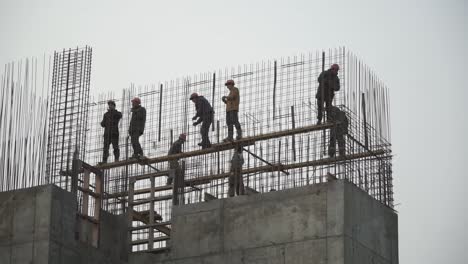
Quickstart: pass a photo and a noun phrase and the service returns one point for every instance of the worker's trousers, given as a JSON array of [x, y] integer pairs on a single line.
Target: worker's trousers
[[236, 183], [114, 140]]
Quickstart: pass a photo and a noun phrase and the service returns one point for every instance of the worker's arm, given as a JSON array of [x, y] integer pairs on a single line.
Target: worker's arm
[[337, 84], [233, 94], [118, 116], [103, 122]]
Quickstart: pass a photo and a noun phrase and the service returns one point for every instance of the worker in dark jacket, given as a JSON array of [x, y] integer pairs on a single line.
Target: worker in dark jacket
[[329, 83], [137, 126], [176, 148], [338, 131], [236, 183], [204, 115], [232, 111], [110, 123]]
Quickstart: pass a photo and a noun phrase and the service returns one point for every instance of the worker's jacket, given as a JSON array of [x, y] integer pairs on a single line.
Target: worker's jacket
[[341, 121], [110, 122], [328, 84], [237, 160], [138, 120], [203, 108], [176, 148], [233, 100]]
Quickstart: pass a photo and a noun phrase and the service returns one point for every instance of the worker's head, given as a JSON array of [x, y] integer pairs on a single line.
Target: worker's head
[[239, 148], [136, 102], [335, 68], [229, 84], [111, 104], [183, 136], [334, 111], [193, 97]]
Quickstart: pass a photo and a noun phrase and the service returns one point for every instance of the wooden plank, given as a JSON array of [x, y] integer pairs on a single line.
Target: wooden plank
[[145, 241], [219, 147], [269, 168], [150, 226]]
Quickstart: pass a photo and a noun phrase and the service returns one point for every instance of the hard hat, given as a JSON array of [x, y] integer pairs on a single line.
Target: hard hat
[[228, 82], [335, 67], [136, 100], [183, 136], [111, 102], [193, 96]]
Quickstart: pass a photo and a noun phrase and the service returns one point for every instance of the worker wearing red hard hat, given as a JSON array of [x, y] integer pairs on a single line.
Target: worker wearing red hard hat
[[329, 83], [137, 126], [204, 115], [232, 101], [176, 148]]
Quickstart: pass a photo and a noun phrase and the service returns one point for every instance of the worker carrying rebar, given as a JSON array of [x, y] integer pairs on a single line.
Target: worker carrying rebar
[[204, 115], [176, 148], [110, 123], [338, 131], [329, 83], [236, 183], [137, 126], [232, 101]]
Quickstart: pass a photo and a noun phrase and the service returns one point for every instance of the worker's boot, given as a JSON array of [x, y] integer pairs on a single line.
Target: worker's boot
[[230, 134], [239, 134], [104, 161]]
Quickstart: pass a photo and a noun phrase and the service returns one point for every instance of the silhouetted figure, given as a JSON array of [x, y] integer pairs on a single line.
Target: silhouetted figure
[[110, 123], [204, 115], [236, 183], [329, 83], [137, 126], [338, 131], [176, 148]]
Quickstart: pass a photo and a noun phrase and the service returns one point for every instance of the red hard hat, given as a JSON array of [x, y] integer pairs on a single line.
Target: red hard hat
[[183, 136], [228, 82], [335, 67], [193, 96], [136, 100]]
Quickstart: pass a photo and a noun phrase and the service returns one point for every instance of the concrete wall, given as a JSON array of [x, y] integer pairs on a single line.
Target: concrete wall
[[324, 223], [37, 225]]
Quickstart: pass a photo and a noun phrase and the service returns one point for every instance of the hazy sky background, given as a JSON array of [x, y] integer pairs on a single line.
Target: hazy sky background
[[416, 47]]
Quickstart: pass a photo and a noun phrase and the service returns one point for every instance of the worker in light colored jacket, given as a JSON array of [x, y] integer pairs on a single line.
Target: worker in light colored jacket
[[232, 101]]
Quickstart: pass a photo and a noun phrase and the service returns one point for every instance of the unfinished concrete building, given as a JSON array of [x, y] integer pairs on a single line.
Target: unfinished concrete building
[[302, 205]]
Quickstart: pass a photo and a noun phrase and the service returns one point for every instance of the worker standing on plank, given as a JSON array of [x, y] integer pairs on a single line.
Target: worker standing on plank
[[329, 83], [137, 126], [204, 115], [338, 131], [110, 123], [176, 148], [232, 111], [236, 183]]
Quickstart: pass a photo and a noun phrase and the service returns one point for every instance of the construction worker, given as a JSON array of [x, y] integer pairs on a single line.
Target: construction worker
[[110, 123], [236, 183], [176, 148], [137, 126], [232, 109], [329, 83], [204, 115], [338, 131]]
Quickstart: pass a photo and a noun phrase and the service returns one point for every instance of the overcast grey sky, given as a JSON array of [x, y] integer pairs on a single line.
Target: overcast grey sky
[[416, 47]]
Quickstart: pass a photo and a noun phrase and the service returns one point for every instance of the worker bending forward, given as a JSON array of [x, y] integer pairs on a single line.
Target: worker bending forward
[[204, 115]]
